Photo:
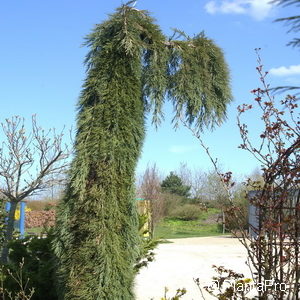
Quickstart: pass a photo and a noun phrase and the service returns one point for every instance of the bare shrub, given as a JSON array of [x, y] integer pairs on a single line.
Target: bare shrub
[[149, 189]]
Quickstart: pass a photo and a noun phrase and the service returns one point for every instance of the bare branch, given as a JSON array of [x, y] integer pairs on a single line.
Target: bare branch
[[30, 163]]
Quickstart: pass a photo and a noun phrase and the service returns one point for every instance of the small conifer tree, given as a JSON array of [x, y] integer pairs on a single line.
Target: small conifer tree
[[173, 184], [131, 67]]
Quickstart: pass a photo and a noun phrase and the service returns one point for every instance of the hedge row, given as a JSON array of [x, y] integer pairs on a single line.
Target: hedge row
[[40, 218]]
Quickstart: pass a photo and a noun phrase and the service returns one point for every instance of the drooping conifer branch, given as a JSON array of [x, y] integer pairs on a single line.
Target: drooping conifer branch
[[130, 70]]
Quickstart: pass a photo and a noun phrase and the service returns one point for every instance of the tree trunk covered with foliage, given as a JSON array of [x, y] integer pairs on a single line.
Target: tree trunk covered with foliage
[[131, 67]]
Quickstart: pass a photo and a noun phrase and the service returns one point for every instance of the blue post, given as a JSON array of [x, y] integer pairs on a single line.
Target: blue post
[[22, 218], [7, 206]]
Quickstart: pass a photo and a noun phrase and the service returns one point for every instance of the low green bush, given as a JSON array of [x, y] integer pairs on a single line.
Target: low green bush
[[186, 212], [16, 276], [38, 263], [38, 266]]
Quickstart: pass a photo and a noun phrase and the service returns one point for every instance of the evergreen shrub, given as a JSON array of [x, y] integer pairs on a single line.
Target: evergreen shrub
[[38, 268]]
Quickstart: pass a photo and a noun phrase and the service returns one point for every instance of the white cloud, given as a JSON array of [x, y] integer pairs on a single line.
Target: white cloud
[[211, 7], [233, 7], [258, 9], [179, 149], [285, 71]]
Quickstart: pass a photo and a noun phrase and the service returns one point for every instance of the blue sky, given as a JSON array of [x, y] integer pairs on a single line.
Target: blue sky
[[42, 70]]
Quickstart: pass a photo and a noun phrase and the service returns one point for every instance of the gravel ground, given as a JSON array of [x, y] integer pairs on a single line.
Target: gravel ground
[[177, 263]]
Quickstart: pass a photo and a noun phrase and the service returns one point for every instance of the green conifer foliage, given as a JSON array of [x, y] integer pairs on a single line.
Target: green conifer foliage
[[173, 184], [130, 68]]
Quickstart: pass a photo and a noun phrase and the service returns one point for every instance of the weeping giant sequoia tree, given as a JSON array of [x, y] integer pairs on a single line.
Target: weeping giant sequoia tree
[[131, 69]]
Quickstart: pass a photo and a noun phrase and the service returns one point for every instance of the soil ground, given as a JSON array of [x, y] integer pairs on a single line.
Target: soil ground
[[177, 263]]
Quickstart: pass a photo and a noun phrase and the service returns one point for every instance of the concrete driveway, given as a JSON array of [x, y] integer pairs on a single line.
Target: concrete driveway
[[177, 263]]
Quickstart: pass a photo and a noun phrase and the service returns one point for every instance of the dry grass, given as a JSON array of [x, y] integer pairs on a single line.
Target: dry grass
[[41, 204]]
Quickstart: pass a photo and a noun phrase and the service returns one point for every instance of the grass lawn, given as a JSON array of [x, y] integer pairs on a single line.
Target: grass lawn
[[174, 228], [37, 230]]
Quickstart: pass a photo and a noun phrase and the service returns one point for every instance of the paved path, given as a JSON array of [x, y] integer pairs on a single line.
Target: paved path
[[177, 263]]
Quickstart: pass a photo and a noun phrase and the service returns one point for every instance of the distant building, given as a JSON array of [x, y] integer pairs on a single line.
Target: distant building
[[256, 214]]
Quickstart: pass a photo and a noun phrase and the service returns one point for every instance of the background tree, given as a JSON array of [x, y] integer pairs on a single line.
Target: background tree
[[212, 191], [208, 189], [131, 67], [173, 184], [187, 175], [29, 164], [149, 188]]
